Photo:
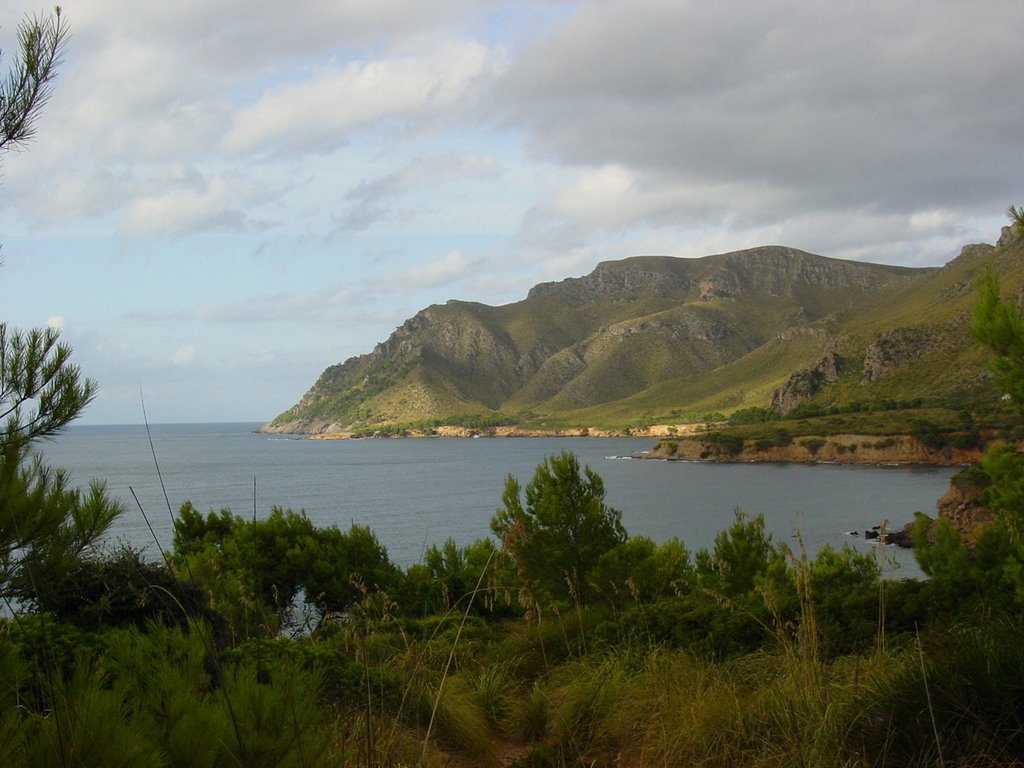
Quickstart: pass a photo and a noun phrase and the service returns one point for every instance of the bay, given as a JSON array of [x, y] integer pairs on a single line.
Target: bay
[[417, 492]]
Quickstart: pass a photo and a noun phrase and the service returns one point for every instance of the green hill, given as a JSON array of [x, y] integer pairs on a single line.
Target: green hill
[[657, 338]]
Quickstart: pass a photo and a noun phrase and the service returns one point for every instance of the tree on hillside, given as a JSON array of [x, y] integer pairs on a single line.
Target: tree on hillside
[[45, 524], [998, 325], [560, 533]]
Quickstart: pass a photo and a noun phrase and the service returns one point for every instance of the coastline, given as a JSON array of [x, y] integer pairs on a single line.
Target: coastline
[[894, 450], [682, 442], [654, 432]]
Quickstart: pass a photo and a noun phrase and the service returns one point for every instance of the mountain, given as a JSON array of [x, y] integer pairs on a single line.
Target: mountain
[[657, 337]]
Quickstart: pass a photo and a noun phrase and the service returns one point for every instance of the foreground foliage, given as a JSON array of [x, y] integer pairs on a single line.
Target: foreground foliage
[[745, 654]]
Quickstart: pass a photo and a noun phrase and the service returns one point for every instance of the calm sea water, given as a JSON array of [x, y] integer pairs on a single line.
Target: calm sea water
[[417, 492]]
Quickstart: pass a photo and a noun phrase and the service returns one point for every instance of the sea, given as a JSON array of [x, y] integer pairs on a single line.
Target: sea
[[418, 492]]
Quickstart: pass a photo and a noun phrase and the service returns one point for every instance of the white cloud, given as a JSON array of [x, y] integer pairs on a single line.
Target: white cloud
[[184, 355], [56, 322], [318, 114], [454, 266], [605, 197], [185, 211]]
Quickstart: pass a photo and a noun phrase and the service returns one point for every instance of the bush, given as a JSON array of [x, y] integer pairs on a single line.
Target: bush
[[807, 411], [966, 441], [754, 415], [930, 435], [724, 442], [813, 444], [119, 590]]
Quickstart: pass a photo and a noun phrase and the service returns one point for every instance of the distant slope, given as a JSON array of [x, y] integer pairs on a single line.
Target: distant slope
[[655, 336]]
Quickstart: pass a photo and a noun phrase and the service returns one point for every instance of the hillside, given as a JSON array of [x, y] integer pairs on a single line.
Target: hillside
[[662, 338]]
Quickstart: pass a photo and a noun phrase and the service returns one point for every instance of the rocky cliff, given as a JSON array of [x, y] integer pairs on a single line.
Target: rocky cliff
[[811, 449]]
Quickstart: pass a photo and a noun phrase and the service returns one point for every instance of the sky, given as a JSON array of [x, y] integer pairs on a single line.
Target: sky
[[224, 197]]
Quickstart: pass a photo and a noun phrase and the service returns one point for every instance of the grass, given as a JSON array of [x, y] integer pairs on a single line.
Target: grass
[[533, 686]]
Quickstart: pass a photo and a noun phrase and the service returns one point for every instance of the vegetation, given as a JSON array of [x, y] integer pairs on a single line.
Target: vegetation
[[30, 79], [45, 525], [749, 653], [997, 324], [1016, 214], [275, 643], [557, 538]]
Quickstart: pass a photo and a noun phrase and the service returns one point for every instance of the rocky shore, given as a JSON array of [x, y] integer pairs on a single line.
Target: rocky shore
[[834, 449], [655, 431], [682, 442]]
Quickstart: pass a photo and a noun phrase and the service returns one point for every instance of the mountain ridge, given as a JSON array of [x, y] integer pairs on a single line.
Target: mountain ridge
[[651, 336]]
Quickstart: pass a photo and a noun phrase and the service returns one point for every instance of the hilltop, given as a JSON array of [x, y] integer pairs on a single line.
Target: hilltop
[[657, 339]]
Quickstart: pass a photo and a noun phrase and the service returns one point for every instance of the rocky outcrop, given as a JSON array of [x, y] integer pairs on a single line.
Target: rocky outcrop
[[809, 449], [891, 350], [804, 384], [962, 504], [615, 279], [779, 271]]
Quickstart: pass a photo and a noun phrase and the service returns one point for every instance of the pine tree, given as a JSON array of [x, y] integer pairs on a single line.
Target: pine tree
[[45, 523], [563, 529]]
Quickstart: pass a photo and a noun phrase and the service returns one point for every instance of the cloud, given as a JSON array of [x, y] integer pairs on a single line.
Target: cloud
[[56, 323], [373, 201], [185, 211], [237, 35], [333, 305], [146, 86], [184, 355], [318, 114], [454, 266], [828, 108]]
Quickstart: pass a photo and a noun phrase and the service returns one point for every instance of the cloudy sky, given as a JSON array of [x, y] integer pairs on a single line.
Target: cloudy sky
[[224, 197]]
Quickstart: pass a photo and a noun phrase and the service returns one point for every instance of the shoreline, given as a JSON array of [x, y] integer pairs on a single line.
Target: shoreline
[[683, 443], [894, 450], [653, 432]]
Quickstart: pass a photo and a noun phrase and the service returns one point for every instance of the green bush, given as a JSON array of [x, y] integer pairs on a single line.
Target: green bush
[[929, 435], [753, 415], [813, 444], [724, 442]]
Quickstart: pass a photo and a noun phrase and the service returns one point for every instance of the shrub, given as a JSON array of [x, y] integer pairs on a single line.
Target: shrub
[[118, 590], [724, 443], [807, 411], [754, 415], [929, 435], [813, 444], [966, 441]]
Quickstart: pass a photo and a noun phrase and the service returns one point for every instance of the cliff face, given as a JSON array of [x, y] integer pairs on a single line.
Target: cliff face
[[803, 384], [635, 336]]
